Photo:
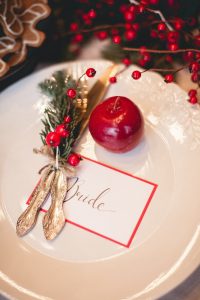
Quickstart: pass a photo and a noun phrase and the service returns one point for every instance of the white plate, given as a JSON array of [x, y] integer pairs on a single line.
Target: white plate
[[82, 265]]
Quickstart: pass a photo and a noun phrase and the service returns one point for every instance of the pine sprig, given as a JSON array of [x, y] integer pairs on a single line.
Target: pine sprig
[[60, 106]]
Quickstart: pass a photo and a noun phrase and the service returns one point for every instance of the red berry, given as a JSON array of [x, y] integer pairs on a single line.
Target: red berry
[[116, 39], [154, 2], [172, 36], [197, 40], [169, 58], [132, 8], [130, 35], [67, 119], [73, 26], [135, 26], [90, 72], [102, 35], [189, 55], [178, 24], [192, 93], [194, 77], [143, 50], [142, 62], [153, 34], [128, 26], [129, 16], [141, 8], [92, 14], [197, 55], [169, 78], [126, 61], [161, 26], [173, 47], [62, 131], [113, 79], [53, 139], [86, 19], [122, 8], [193, 100], [194, 67], [73, 159], [162, 35], [78, 38], [71, 93], [136, 74], [114, 31], [147, 57]]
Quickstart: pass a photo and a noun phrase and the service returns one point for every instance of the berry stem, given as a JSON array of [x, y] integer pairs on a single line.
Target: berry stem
[[164, 70], [77, 83], [161, 51], [158, 12]]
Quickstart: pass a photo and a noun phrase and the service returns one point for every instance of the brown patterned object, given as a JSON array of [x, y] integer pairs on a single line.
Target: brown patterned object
[[18, 21]]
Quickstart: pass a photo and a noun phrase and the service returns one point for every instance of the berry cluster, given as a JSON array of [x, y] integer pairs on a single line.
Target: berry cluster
[[53, 139], [192, 96], [151, 33]]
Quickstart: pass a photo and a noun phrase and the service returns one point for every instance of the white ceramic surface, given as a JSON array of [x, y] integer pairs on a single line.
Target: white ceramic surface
[[80, 265]]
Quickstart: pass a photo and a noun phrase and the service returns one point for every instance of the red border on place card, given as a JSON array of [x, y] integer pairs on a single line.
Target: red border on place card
[[140, 218]]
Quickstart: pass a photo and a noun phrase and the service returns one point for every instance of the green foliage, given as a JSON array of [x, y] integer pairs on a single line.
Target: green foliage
[[59, 106]]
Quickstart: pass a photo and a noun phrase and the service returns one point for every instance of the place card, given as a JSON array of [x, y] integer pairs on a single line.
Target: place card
[[106, 201]]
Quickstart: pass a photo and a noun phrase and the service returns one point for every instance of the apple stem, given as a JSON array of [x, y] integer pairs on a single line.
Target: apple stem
[[116, 103]]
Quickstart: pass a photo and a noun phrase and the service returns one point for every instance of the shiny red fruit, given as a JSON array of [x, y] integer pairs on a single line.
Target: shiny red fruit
[[197, 40], [130, 35], [62, 131], [116, 39], [53, 139], [178, 24], [173, 47], [126, 61], [188, 55], [141, 8], [194, 67], [73, 159], [147, 57], [195, 77], [192, 93], [67, 119], [193, 100], [73, 26], [71, 93], [173, 37], [169, 78], [136, 74], [78, 38], [102, 35], [161, 26], [113, 79], [116, 124], [129, 16], [90, 72], [92, 14]]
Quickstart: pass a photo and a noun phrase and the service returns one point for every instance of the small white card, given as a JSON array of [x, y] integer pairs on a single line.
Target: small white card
[[106, 201]]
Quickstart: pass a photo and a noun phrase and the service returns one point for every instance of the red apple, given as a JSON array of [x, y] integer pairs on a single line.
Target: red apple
[[116, 124]]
